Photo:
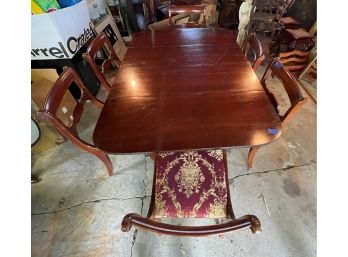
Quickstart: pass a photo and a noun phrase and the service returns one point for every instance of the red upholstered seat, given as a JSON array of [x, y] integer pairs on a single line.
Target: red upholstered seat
[[191, 184]]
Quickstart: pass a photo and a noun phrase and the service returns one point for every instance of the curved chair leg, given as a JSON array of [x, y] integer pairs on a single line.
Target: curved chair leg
[[105, 159], [251, 155]]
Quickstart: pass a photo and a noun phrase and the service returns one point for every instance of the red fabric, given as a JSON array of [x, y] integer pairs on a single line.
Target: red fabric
[[191, 184]]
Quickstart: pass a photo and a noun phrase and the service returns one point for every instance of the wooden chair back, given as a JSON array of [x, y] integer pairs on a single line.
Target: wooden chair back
[[253, 44], [52, 104], [297, 100], [54, 99], [101, 44], [187, 9], [295, 61]]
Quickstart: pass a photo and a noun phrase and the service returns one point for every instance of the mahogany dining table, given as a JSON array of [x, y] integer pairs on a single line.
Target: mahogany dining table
[[185, 89]]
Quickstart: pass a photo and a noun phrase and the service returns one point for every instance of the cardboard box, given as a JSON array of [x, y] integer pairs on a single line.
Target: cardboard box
[[60, 34]]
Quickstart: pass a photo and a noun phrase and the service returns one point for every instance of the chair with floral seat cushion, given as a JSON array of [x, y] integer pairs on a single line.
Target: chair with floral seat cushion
[[192, 184]]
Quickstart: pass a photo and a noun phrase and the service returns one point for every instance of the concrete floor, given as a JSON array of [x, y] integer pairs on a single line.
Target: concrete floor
[[77, 209]]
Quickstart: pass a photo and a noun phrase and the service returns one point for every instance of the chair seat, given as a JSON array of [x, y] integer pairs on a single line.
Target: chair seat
[[191, 184]]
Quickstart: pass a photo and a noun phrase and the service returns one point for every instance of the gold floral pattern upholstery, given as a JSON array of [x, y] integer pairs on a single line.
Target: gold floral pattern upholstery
[[190, 184]]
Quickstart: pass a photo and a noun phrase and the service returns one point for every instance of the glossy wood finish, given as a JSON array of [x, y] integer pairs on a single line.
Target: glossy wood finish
[[52, 103], [187, 9], [231, 222], [185, 89], [297, 100], [102, 44], [253, 44]]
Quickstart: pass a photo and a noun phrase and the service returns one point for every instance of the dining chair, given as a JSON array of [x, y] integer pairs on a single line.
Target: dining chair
[[53, 104], [253, 44], [189, 10], [191, 184], [101, 48], [297, 100], [268, 12]]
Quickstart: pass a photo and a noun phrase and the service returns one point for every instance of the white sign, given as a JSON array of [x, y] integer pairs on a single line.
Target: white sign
[[60, 34]]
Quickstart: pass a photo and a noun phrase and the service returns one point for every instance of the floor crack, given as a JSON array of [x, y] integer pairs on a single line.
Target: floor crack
[[267, 171], [145, 186], [142, 205], [133, 241], [90, 201]]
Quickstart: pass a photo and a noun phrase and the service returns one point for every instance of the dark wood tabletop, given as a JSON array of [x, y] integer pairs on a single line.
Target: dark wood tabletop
[[185, 89]]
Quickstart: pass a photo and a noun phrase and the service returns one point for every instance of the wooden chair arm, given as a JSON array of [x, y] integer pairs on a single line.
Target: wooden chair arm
[[148, 224]]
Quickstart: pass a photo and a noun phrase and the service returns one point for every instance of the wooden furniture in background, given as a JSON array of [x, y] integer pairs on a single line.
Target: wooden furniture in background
[[69, 131], [308, 77], [191, 184], [101, 46], [210, 15], [289, 23], [295, 39], [228, 15], [187, 9], [277, 69], [254, 46], [294, 61], [267, 14], [202, 93], [309, 73]]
